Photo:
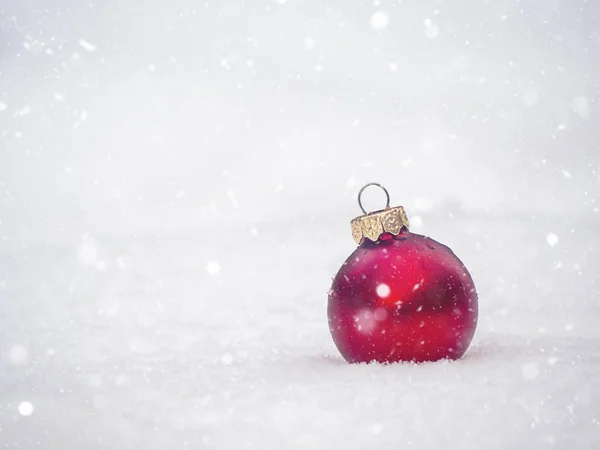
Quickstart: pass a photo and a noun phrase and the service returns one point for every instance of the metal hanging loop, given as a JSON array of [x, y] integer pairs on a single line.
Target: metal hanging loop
[[387, 195]]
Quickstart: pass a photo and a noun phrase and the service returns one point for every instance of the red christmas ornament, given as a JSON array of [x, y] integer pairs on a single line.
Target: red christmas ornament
[[400, 296]]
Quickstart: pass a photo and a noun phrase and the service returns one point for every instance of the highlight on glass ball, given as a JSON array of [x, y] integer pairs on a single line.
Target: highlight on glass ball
[[400, 296]]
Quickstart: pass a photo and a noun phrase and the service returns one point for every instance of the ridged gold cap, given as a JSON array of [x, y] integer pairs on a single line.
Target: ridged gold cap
[[372, 225]]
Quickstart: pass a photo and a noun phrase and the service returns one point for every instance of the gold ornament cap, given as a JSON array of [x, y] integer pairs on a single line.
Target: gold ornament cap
[[374, 224]]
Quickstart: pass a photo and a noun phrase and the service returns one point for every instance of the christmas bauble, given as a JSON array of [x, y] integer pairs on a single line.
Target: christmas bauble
[[400, 296]]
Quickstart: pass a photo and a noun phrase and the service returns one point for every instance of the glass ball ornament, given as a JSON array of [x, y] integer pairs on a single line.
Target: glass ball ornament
[[400, 296]]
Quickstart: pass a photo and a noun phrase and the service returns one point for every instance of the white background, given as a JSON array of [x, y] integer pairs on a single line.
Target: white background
[[176, 182]]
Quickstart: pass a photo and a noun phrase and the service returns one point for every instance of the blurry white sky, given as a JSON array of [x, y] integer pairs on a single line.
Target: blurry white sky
[[142, 115]]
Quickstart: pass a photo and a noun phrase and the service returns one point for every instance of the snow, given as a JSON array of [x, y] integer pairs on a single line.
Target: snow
[[88, 47], [383, 290], [26, 409], [309, 43], [581, 107], [88, 251], [530, 371], [24, 111], [432, 31], [551, 239], [213, 268], [168, 239], [566, 173], [227, 359], [416, 222], [18, 354], [379, 20], [251, 351]]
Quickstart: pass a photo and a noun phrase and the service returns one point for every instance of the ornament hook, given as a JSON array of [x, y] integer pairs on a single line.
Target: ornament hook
[[387, 195]]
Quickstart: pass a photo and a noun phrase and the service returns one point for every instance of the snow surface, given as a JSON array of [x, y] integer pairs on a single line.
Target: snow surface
[[176, 182]]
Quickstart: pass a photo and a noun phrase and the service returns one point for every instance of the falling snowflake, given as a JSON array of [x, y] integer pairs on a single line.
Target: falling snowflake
[[551, 239], [26, 409], [383, 290], [18, 354], [377, 428], [416, 221], [88, 251], [530, 371], [431, 30], [365, 322], [581, 107], [379, 20], [87, 46], [309, 43], [213, 268]]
